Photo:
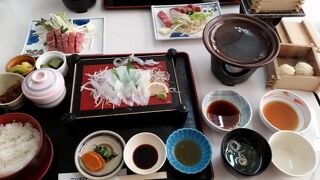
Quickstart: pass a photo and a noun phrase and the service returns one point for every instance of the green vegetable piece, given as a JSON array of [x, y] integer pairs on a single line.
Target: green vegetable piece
[[106, 152], [44, 66], [19, 69], [55, 63], [162, 96], [130, 66]]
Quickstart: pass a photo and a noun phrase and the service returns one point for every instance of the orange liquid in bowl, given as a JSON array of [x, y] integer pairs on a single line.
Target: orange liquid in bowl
[[281, 115]]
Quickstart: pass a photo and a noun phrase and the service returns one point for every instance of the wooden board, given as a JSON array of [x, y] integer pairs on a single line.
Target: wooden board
[[291, 55], [299, 33]]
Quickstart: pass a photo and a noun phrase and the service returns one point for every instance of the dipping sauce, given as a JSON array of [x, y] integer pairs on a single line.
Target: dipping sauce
[[281, 115], [224, 114], [187, 152], [145, 156], [241, 41], [242, 156]]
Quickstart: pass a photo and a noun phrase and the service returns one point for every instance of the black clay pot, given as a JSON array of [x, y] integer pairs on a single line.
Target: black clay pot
[[239, 44], [79, 6]]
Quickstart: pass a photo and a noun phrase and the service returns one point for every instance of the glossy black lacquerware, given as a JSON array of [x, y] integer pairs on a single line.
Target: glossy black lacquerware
[[79, 6], [66, 131], [239, 44], [245, 152]]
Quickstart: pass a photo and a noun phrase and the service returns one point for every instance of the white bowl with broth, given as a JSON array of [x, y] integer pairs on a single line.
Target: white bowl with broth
[[225, 110], [284, 110]]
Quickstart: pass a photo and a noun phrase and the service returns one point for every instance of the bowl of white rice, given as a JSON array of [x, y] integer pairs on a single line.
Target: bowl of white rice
[[22, 146]]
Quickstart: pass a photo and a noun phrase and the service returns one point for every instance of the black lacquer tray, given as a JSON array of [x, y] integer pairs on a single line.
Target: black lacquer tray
[[66, 131], [130, 4]]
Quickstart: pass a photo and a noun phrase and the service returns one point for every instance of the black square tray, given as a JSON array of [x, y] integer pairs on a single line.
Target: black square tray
[[66, 131]]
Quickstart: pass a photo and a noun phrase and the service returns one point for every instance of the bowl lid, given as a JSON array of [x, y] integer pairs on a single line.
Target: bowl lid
[[42, 83], [241, 40]]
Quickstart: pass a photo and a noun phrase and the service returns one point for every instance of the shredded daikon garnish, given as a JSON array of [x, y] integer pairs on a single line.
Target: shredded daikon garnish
[[119, 85]]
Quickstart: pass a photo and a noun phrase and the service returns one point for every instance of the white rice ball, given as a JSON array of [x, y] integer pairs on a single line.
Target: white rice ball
[[303, 68], [286, 69]]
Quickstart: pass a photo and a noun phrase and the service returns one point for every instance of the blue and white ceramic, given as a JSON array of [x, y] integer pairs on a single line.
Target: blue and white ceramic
[[233, 97]]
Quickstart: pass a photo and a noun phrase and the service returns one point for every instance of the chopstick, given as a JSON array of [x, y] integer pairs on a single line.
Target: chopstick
[[157, 175]]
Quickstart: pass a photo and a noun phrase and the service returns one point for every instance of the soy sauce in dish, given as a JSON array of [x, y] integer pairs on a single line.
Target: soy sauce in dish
[[224, 114], [187, 152], [145, 156], [281, 115]]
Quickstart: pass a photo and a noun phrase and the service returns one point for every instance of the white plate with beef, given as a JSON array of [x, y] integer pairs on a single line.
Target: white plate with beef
[[81, 36], [182, 21]]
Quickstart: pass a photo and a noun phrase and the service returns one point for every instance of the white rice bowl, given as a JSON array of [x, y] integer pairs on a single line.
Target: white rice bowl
[[19, 143]]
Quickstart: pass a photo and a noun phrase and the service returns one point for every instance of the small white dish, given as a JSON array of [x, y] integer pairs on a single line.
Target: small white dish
[[157, 24], [291, 99], [47, 56], [113, 166], [139, 140], [292, 154]]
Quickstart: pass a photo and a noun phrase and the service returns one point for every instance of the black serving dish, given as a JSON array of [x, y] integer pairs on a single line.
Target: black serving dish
[[66, 131], [245, 152], [271, 18], [129, 4]]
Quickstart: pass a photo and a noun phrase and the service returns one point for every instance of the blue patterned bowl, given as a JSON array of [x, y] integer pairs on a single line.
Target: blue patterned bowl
[[196, 137], [240, 102]]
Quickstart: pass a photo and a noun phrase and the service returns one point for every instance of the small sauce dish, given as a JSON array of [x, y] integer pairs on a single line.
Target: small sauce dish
[[225, 110], [284, 110], [45, 58], [145, 153]]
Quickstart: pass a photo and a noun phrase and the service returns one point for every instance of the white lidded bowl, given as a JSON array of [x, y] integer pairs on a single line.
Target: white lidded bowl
[[45, 87], [291, 99], [233, 97], [47, 56], [292, 154], [88, 143], [144, 138], [7, 80]]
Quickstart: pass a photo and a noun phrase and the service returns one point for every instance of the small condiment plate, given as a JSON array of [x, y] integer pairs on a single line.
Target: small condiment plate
[[144, 139], [93, 43], [157, 24], [102, 137]]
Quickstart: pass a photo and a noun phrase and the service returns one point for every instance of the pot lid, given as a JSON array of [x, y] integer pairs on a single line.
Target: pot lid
[[42, 83], [241, 40]]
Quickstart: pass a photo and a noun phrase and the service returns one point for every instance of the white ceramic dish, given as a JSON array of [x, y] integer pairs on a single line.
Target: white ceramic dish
[[157, 24], [113, 166], [233, 97], [94, 45], [293, 100], [8, 79], [142, 139], [45, 87], [292, 154], [47, 56]]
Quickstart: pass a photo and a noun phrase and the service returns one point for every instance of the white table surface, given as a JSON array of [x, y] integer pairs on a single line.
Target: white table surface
[[131, 31]]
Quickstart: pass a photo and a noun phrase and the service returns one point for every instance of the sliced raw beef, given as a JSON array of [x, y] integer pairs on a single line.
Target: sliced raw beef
[[164, 19], [51, 41], [79, 41], [59, 45], [72, 41], [65, 42]]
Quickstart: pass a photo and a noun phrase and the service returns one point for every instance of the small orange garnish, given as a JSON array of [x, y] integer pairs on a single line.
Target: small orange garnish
[[93, 161]]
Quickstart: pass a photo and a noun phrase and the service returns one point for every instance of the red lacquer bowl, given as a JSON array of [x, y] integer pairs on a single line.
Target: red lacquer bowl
[[43, 154]]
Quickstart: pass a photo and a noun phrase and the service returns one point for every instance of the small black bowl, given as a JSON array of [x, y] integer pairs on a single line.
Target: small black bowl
[[245, 152]]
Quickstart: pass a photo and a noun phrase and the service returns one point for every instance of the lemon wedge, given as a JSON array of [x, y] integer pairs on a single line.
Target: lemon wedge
[[157, 88]]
